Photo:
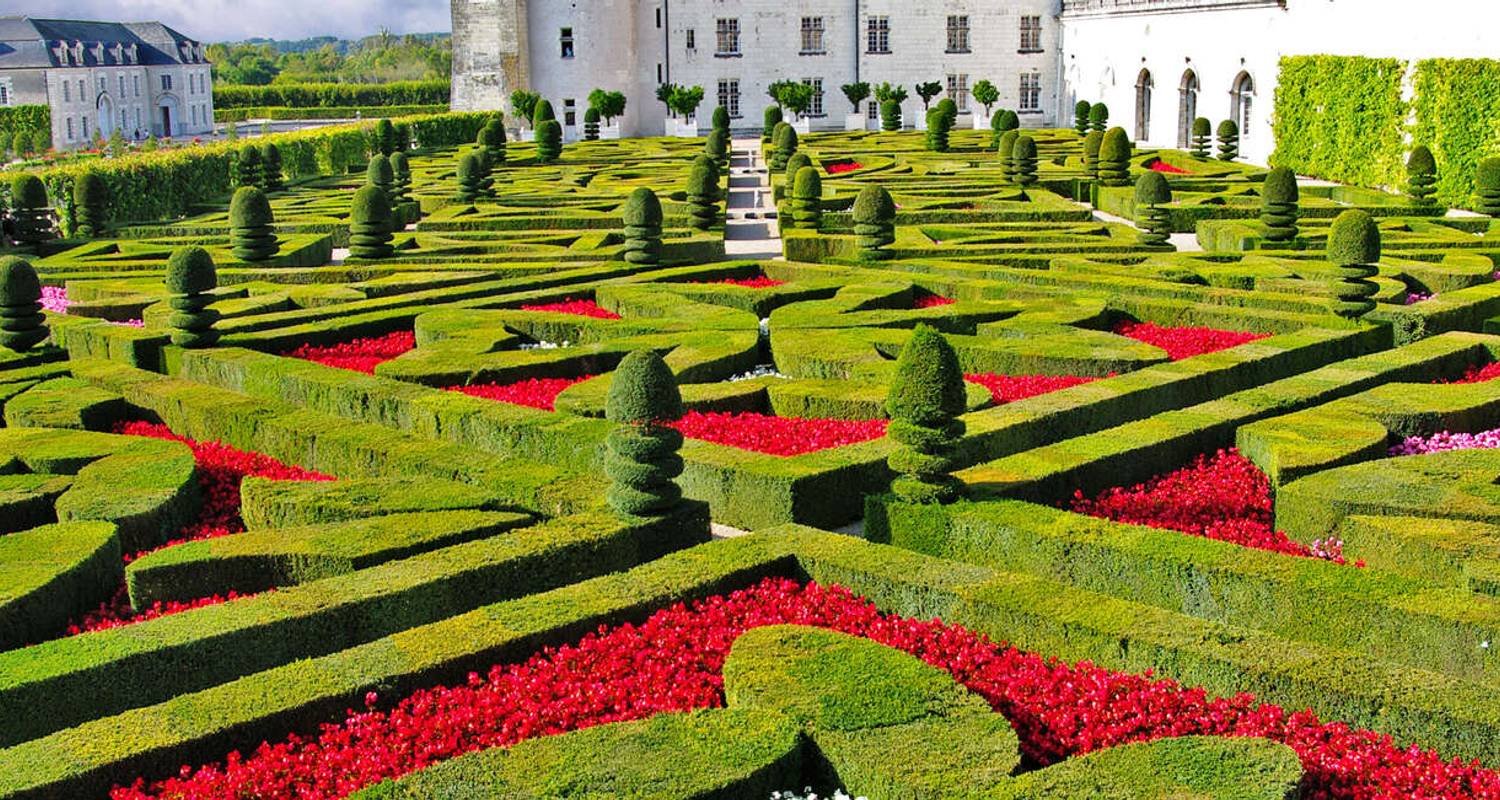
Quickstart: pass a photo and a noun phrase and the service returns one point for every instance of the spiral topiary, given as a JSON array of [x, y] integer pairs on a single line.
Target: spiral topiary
[[1421, 175], [807, 198], [940, 125], [925, 399], [470, 177], [1098, 117], [721, 119], [716, 146], [271, 178], [874, 216], [1278, 205], [1487, 186], [591, 125], [492, 141], [1006, 153], [22, 324], [380, 174], [771, 119], [1091, 144], [548, 141], [1023, 161], [784, 144], [890, 115], [90, 205], [1081, 111], [401, 173], [371, 224], [1114, 158], [1151, 191], [1004, 120], [247, 171], [1354, 251], [190, 278], [251, 235], [642, 217], [1229, 140], [33, 215], [384, 137], [642, 461], [703, 193], [1202, 136]]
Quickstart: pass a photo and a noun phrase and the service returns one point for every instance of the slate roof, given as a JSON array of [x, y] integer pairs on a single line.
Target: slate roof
[[30, 43]]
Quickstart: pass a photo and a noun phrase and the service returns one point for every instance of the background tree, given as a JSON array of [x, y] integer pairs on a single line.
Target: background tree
[[371, 224], [925, 399], [1098, 117], [1421, 175], [1229, 140], [523, 104], [22, 323], [1081, 116], [642, 461], [1114, 158], [807, 198], [856, 93], [1278, 205], [270, 168], [1354, 251], [986, 94], [491, 140], [642, 217], [543, 112], [191, 279], [252, 235], [796, 162], [1152, 192], [874, 216], [703, 193], [1023, 161], [890, 99], [1487, 186], [35, 221], [1202, 137], [90, 205]]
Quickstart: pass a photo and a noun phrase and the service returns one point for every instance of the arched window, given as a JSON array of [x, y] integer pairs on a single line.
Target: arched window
[[1240, 95], [1187, 108], [1143, 86]]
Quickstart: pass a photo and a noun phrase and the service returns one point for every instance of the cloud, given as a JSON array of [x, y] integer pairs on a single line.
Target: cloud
[[232, 20]]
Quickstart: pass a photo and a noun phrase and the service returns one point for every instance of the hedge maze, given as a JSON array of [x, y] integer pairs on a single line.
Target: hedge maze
[[1062, 469]]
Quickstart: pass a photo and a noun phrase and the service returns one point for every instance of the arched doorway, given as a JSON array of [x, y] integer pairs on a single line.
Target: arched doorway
[[167, 121], [1143, 86], [1187, 108], [105, 122], [1241, 93]]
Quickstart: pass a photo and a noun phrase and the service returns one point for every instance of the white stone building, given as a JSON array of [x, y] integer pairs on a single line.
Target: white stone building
[[141, 78]]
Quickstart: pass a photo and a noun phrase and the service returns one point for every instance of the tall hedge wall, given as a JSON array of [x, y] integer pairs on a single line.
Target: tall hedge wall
[[324, 95], [1341, 118], [1458, 116], [26, 118]]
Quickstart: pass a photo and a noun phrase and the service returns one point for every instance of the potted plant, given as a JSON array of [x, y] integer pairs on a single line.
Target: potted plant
[[611, 106], [683, 102], [986, 94], [523, 106], [856, 93], [926, 91], [796, 97]]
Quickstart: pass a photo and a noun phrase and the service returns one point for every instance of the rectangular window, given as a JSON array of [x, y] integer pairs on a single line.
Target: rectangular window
[[566, 41], [659, 79], [1031, 33], [878, 35], [103, 85], [570, 112], [85, 128], [815, 107], [1031, 91], [195, 115], [812, 36], [729, 96], [67, 93], [873, 111], [658, 17], [4, 94], [958, 33], [81, 93], [728, 29], [692, 39], [70, 129], [958, 90], [166, 83], [135, 81], [122, 84]]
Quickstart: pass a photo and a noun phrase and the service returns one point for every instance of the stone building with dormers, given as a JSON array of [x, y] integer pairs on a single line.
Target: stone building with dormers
[[141, 78]]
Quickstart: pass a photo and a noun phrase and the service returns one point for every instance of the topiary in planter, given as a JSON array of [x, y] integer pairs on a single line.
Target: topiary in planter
[[90, 205], [33, 215], [251, 235], [1151, 192], [1098, 117], [703, 193], [1354, 251], [1487, 186], [1004, 120], [1278, 205], [270, 168], [380, 174], [890, 116], [1114, 158], [716, 146], [783, 144], [22, 324], [247, 170], [642, 218], [642, 459], [1081, 116], [940, 125], [925, 399], [401, 173], [874, 217], [1091, 144], [371, 224], [1202, 136], [591, 125], [384, 137], [1229, 140], [771, 119], [190, 278], [1023, 160], [492, 141], [470, 177], [1006, 153], [807, 198], [1421, 175], [721, 119], [548, 141]]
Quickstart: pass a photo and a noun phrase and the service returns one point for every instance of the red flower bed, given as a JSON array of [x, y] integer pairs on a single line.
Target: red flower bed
[[758, 282], [932, 301], [1183, 343], [1162, 166], [537, 392], [1477, 374], [777, 436], [841, 167], [360, 355], [582, 308], [673, 662], [117, 613], [1010, 388]]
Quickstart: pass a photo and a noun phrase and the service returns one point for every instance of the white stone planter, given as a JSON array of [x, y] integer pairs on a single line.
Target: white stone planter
[[802, 126], [919, 121], [856, 122], [682, 127], [525, 135], [980, 121], [609, 131]]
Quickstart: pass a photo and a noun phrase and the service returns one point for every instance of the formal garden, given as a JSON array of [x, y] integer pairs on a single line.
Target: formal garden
[[402, 459]]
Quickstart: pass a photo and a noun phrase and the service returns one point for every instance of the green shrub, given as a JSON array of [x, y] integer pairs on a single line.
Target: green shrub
[[925, 399], [591, 124], [1023, 161], [22, 324], [1229, 140], [1342, 118], [716, 146], [380, 175], [643, 219], [807, 198], [940, 125], [470, 177], [1354, 251], [542, 112], [1278, 205], [247, 171], [703, 193], [1003, 120], [90, 205], [371, 223], [643, 462], [401, 175], [1151, 192], [190, 279], [1005, 150], [1421, 175], [1114, 158], [548, 141], [270, 167], [1487, 186], [1081, 116], [1202, 137], [784, 144], [793, 165], [1098, 117], [772, 118], [721, 119], [383, 137], [251, 235], [1091, 145], [34, 218], [491, 140], [332, 95], [874, 216], [890, 115]]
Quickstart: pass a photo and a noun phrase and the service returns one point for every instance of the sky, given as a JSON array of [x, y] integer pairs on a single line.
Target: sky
[[233, 20]]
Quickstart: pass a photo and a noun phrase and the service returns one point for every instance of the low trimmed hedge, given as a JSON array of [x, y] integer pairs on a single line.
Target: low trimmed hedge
[[266, 503], [324, 95], [53, 574]]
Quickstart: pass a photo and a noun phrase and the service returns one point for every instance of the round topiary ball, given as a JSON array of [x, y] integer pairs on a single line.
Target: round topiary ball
[[18, 283], [90, 191], [1202, 126], [1353, 239], [808, 183], [1421, 162], [642, 209], [190, 270], [471, 166], [370, 206], [643, 391], [1280, 186], [1152, 189], [928, 388], [380, 172], [492, 135], [249, 208], [873, 206], [795, 163], [27, 191]]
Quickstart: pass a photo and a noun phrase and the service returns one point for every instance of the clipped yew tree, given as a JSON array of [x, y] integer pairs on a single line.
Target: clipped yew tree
[[371, 224], [1091, 144], [642, 461], [1278, 205], [1421, 174], [1354, 252], [385, 137], [1229, 140], [548, 141], [1114, 158], [1023, 161], [807, 198], [22, 324], [380, 175], [721, 119], [769, 121], [940, 122], [874, 217], [642, 218], [492, 141], [1487, 186], [247, 171], [716, 146], [251, 235], [703, 193], [1202, 137], [401, 178], [470, 177], [925, 400], [542, 113], [1152, 192], [783, 146], [1004, 120], [90, 205], [1005, 151], [1098, 117], [191, 278], [271, 177], [33, 215], [591, 125], [890, 115], [1081, 111], [793, 164]]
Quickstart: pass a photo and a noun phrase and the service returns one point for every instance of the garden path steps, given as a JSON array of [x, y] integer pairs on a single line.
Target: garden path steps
[[750, 227]]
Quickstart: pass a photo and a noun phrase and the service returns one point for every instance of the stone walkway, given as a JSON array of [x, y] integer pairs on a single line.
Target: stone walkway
[[751, 230]]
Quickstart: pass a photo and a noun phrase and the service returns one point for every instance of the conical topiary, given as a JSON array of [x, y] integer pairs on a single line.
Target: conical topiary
[[716, 146], [1081, 111], [542, 113], [1421, 174], [470, 177], [1006, 154], [874, 217], [371, 224], [793, 164], [401, 174], [925, 399], [703, 193], [90, 205], [784, 144], [807, 198], [1004, 120], [642, 218], [1098, 117], [1229, 140], [1114, 158], [1151, 192], [771, 119], [890, 116], [35, 222], [1091, 144], [247, 170], [1202, 137], [642, 461], [548, 141], [721, 119], [1278, 205], [1354, 251], [1487, 186], [1023, 161], [385, 137], [380, 175], [190, 279], [492, 141], [251, 235], [591, 125], [270, 168], [22, 324]]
